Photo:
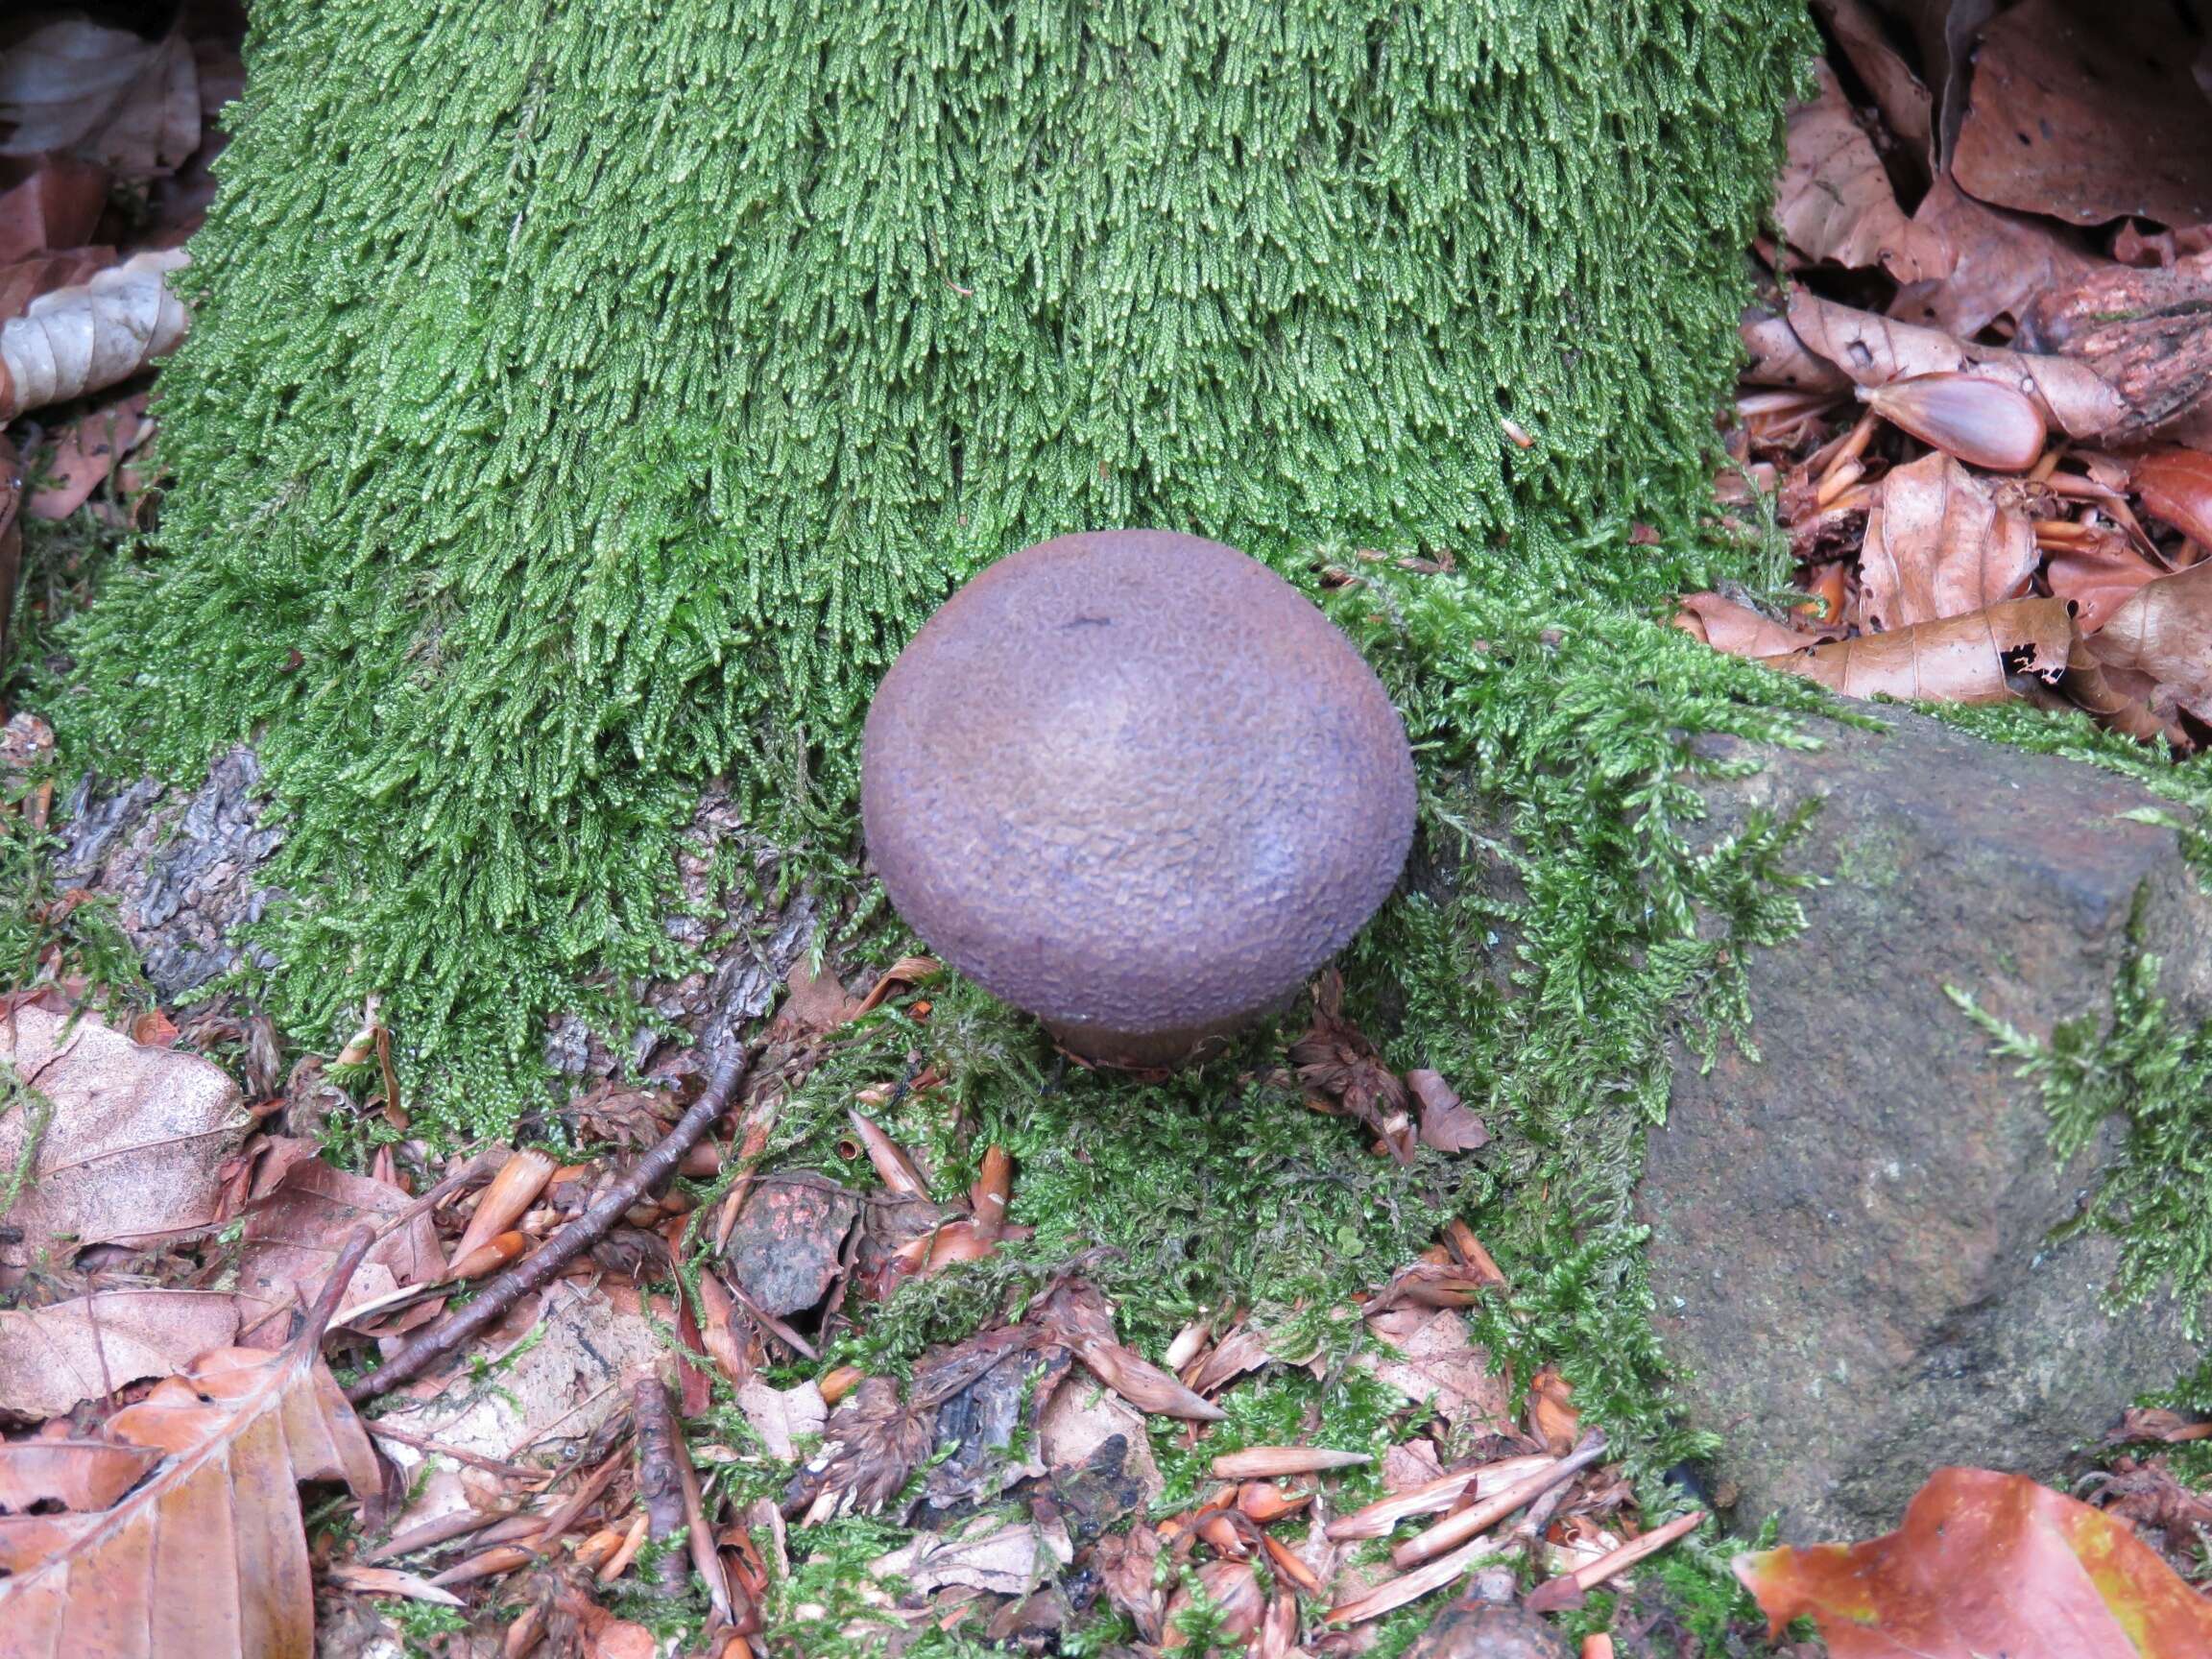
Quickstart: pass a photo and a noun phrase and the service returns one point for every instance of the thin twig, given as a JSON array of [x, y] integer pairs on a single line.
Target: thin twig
[[541, 1265], [459, 1454]]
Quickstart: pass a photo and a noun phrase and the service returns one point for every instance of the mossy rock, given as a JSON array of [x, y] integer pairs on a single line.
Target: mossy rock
[[1868, 1248]]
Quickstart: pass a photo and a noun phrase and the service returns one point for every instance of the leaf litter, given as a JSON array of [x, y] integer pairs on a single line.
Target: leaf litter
[[1979, 400]]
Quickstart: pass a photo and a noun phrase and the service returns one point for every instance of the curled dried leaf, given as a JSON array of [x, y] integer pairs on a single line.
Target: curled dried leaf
[[1957, 660]]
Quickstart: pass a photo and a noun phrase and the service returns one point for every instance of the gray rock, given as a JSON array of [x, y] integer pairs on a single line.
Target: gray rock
[[788, 1247], [1850, 1239], [184, 870]]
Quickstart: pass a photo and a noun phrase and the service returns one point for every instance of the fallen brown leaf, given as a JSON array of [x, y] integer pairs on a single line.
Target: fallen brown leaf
[[2158, 645], [86, 453], [293, 1236], [1551, 1414], [48, 203], [53, 1356], [1998, 264], [1446, 1125], [1735, 628], [1957, 660], [816, 1004], [1833, 201], [107, 95], [129, 1146], [2089, 121], [2176, 485], [2097, 575], [1937, 545], [209, 1558], [1874, 351], [1898, 92], [74, 1474], [782, 1417], [1987, 1563], [1425, 1353]]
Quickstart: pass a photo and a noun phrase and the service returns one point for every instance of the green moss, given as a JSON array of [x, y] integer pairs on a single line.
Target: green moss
[[587, 401], [2136, 1060]]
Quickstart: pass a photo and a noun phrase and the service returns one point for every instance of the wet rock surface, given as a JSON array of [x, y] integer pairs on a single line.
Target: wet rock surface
[[1851, 1236]]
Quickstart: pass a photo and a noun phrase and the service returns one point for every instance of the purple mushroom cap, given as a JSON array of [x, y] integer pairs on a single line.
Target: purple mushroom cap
[[1135, 782]]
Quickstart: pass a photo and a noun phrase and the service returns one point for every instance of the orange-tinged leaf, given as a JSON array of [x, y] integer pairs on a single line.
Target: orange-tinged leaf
[[75, 1474], [1985, 1564], [89, 1346], [209, 1558], [1938, 545], [1957, 660], [2099, 573], [2176, 485]]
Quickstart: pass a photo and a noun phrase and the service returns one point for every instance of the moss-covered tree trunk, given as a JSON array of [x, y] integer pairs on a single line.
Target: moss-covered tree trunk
[[588, 396]]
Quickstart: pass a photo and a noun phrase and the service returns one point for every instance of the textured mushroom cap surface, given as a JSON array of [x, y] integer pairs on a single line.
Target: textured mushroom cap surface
[[1135, 780]]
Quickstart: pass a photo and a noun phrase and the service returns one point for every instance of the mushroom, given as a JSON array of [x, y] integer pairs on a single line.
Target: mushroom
[[1135, 782]]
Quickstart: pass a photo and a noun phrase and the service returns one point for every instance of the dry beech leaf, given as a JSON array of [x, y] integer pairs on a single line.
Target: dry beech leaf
[[1987, 1564], [816, 1003], [74, 1474], [1998, 263], [1735, 628], [2158, 644], [2177, 485], [1551, 1415], [83, 338], [1781, 360], [48, 203], [53, 1356], [1898, 93], [1425, 1353], [86, 453], [209, 1558], [293, 1236], [783, 1416], [1874, 351], [1938, 545], [133, 1150], [1833, 201], [2097, 575], [2088, 122], [1957, 659], [1446, 1125], [1991, 425], [108, 95]]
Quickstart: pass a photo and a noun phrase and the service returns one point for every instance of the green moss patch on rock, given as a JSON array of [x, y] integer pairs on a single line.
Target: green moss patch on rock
[[585, 401]]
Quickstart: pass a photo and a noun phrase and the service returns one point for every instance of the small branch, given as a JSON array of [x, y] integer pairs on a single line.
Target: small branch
[[659, 1481], [1568, 1591], [543, 1264]]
